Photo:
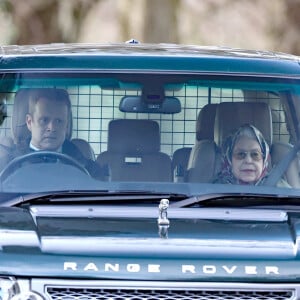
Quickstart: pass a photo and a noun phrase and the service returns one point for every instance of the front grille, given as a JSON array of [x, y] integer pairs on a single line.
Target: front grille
[[67, 293]]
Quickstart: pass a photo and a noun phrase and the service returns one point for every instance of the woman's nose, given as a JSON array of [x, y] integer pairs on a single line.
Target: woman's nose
[[248, 157]]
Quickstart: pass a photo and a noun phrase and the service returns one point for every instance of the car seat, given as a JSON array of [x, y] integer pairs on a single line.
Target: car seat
[[6, 146], [85, 148], [204, 154], [205, 159], [204, 131], [133, 152], [20, 132], [278, 151], [229, 116]]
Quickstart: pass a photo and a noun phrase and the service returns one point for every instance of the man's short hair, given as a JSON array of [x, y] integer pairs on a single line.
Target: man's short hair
[[60, 96]]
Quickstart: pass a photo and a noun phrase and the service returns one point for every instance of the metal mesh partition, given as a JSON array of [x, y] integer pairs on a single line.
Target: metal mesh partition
[[94, 107]]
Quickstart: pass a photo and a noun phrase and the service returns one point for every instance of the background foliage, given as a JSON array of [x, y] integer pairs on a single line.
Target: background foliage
[[255, 24]]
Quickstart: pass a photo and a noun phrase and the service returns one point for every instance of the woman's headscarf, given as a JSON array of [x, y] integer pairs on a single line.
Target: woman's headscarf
[[247, 130]]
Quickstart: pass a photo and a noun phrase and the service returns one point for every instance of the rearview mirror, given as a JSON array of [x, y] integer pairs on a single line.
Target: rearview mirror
[[135, 104]]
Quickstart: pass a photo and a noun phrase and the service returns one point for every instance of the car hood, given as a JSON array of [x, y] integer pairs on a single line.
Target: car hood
[[121, 243]]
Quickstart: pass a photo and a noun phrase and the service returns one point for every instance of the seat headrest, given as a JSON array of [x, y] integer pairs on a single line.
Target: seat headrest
[[19, 128], [231, 115], [205, 122], [133, 136]]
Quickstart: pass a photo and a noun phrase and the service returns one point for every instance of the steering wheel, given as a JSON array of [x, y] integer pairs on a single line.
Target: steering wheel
[[40, 156]]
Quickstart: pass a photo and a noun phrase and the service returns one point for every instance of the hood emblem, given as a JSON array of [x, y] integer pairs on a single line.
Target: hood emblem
[[163, 222]]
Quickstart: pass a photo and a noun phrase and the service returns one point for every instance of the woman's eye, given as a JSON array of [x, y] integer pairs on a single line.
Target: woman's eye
[[240, 155], [256, 155]]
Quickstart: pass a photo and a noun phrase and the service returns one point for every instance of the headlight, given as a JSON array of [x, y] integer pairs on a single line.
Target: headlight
[[27, 296], [10, 289]]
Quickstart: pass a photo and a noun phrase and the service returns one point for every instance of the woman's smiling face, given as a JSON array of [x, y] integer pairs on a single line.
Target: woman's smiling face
[[247, 160]]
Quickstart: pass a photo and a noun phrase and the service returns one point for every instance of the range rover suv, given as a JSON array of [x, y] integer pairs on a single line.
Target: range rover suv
[[135, 210]]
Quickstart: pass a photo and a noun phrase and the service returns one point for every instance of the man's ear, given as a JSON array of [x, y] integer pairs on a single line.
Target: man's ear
[[28, 121]]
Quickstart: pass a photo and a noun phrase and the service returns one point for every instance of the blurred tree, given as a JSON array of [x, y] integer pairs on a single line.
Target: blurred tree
[[288, 34], [39, 21], [256, 24], [160, 21], [152, 21], [36, 21]]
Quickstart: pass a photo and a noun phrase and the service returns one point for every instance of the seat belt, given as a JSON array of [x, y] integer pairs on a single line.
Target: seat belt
[[277, 172]]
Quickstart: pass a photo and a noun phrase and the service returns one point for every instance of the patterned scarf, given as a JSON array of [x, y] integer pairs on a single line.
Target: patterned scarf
[[226, 175]]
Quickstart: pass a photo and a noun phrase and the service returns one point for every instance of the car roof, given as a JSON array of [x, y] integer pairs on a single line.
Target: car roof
[[149, 57]]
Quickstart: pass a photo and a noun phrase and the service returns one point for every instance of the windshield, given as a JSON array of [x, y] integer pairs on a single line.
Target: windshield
[[161, 133]]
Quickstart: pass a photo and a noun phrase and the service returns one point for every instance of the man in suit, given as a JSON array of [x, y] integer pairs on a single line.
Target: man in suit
[[49, 111], [47, 120]]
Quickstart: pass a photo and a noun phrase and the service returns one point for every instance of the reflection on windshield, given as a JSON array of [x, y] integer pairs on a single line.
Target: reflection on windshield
[[210, 133]]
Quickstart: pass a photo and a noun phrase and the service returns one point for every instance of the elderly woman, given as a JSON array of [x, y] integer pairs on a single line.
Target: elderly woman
[[246, 158]]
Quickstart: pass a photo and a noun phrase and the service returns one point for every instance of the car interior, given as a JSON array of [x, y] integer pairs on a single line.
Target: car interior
[[133, 152], [171, 134]]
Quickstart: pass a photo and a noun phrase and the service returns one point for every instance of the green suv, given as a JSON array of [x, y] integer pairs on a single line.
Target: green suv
[[140, 171]]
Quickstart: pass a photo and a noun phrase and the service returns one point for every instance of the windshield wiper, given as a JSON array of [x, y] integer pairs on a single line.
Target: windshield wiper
[[236, 200], [91, 196], [143, 196]]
